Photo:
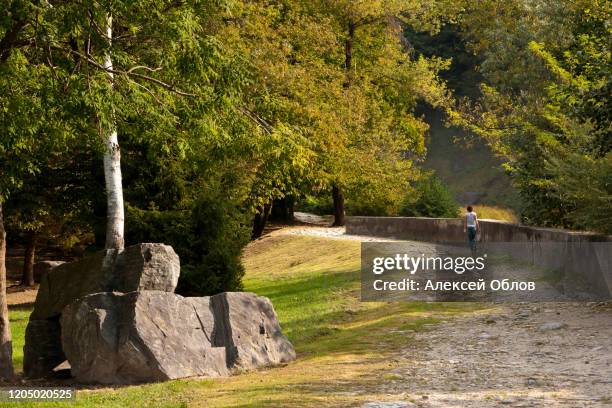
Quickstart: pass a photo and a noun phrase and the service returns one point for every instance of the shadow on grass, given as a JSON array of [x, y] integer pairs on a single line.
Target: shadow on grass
[[22, 307]]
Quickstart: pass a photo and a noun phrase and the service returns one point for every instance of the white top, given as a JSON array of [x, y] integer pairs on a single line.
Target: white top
[[471, 219]]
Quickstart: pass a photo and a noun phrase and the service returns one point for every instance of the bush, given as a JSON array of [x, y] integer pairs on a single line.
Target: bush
[[434, 199], [220, 231], [208, 238]]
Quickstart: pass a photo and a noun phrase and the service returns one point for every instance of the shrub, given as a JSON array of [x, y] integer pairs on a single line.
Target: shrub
[[208, 238], [434, 199]]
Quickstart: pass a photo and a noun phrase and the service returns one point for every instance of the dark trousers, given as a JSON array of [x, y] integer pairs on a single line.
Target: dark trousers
[[471, 233]]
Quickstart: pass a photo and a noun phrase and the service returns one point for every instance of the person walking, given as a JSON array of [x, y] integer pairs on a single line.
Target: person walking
[[470, 225]]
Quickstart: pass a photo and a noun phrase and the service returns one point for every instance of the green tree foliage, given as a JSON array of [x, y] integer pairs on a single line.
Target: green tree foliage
[[200, 207], [546, 104], [345, 116], [220, 107], [433, 199], [176, 91]]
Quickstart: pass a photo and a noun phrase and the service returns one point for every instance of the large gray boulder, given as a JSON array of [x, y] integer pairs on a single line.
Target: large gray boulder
[[138, 267], [115, 338], [249, 329]]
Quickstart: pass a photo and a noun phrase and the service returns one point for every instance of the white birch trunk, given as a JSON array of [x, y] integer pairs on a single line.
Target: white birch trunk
[[112, 170]]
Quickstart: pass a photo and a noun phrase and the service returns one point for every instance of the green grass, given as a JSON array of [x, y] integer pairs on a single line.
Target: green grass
[[342, 344], [19, 320], [495, 213]]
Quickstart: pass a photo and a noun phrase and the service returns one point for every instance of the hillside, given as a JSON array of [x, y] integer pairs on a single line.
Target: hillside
[[472, 173]]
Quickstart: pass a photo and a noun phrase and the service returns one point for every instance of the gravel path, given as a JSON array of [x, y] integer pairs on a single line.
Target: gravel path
[[516, 355], [555, 354], [328, 232]]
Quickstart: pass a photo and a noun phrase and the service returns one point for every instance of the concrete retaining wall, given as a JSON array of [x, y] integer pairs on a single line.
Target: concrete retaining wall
[[567, 252]]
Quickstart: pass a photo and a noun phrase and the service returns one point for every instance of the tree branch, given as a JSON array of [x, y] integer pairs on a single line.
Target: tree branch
[[129, 71], [133, 74], [256, 119]]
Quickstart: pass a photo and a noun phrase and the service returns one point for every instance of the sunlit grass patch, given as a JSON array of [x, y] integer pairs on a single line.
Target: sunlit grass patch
[[19, 320], [496, 213]]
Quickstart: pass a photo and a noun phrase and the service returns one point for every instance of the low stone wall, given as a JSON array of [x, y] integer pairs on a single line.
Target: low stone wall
[[567, 252]]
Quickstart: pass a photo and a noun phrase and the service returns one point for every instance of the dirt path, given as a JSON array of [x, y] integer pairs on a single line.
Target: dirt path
[[318, 226], [513, 356], [555, 354]]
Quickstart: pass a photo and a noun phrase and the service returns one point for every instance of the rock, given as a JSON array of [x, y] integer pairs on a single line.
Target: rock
[[112, 338], [42, 268], [254, 338], [532, 382], [43, 350], [138, 267], [115, 338], [548, 326], [148, 267], [487, 336]]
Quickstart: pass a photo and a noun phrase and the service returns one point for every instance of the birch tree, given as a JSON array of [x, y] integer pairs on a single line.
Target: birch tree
[[60, 79], [121, 66], [115, 218]]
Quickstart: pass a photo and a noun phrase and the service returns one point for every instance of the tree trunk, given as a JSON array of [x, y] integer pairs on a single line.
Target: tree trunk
[[6, 344], [112, 170], [338, 197], [348, 54], [27, 276], [282, 210], [260, 220], [290, 209], [337, 194]]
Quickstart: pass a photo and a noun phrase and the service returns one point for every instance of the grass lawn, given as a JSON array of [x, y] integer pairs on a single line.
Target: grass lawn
[[495, 213], [344, 346]]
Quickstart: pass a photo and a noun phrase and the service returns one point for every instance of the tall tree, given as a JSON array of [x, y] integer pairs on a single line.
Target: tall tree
[[372, 37], [65, 69], [334, 78], [112, 162], [10, 31], [114, 60]]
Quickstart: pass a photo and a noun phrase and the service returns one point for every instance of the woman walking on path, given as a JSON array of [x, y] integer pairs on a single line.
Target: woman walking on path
[[470, 225]]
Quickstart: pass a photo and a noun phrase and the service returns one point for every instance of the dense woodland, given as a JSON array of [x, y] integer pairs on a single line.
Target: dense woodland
[[192, 122]]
